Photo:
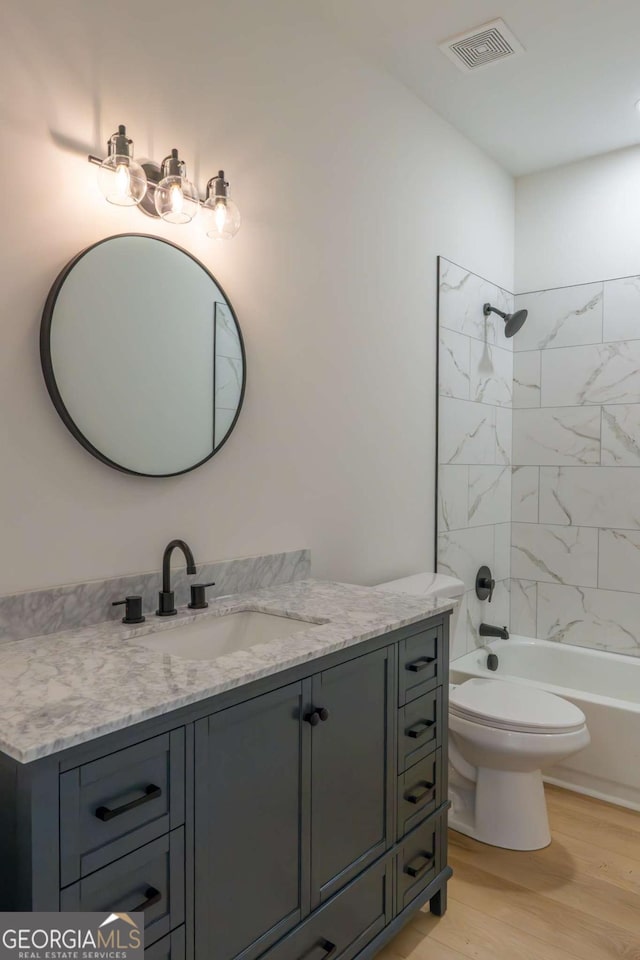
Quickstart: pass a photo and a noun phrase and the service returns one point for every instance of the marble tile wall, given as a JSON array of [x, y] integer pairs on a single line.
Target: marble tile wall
[[475, 442], [575, 484]]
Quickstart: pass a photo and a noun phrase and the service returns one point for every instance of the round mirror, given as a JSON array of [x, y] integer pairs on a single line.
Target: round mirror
[[143, 356]]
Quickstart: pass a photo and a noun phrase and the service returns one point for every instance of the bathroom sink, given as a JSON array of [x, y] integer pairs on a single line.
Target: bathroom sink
[[209, 637]]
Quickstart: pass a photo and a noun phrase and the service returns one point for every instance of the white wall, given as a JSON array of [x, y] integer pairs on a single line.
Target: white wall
[[579, 223], [577, 404], [349, 187]]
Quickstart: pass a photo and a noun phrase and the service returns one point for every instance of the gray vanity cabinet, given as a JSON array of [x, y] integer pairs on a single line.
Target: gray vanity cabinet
[[291, 802], [350, 759], [250, 808], [299, 817]]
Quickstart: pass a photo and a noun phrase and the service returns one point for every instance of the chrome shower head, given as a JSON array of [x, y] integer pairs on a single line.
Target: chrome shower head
[[512, 321]]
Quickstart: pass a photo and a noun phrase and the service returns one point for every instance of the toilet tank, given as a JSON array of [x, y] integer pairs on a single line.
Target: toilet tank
[[429, 585]]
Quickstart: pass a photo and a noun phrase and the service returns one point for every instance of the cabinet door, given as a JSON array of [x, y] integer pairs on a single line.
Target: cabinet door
[[248, 823], [351, 770]]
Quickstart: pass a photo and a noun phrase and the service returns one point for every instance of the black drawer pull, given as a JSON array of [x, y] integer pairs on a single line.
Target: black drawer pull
[[153, 896], [328, 947], [325, 945], [150, 793], [419, 729], [419, 792], [421, 664], [418, 865]]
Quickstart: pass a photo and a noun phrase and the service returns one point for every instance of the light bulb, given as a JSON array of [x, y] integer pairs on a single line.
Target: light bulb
[[177, 199], [121, 179], [222, 215]]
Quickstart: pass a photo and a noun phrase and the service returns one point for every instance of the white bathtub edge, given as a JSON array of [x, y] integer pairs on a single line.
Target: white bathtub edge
[[572, 780]]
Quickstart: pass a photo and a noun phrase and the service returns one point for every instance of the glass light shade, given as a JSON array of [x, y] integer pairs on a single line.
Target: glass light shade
[[122, 180], [222, 216], [177, 200]]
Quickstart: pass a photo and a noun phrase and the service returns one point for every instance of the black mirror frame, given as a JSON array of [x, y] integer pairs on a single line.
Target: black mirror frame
[[49, 376]]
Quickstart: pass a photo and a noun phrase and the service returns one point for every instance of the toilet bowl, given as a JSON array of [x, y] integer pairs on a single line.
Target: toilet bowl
[[501, 736]]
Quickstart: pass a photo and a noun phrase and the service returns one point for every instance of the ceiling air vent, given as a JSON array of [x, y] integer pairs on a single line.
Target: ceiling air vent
[[481, 47]]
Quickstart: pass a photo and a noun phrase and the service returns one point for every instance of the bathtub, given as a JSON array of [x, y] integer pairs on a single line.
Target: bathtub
[[606, 687]]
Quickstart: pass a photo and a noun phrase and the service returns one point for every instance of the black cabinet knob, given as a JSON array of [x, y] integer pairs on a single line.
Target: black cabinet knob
[[314, 717], [132, 608]]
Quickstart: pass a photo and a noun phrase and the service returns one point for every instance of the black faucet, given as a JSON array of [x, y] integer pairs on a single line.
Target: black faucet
[[166, 597], [488, 630]]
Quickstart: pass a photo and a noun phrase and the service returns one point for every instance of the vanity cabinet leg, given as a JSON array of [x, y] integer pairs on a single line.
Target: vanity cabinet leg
[[438, 902]]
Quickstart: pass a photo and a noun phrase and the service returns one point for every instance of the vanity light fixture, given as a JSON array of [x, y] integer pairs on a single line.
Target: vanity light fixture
[[121, 179], [164, 191], [177, 199], [222, 214]]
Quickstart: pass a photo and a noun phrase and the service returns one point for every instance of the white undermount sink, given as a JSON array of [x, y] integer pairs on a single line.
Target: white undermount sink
[[209, 637]]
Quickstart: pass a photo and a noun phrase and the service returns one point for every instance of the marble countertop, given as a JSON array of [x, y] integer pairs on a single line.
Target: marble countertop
[[68, 688]]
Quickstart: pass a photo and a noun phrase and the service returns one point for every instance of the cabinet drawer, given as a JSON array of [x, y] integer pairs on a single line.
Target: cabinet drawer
[[113, 805], [420, 859], [419, 792], [151, 879], [419, 728], [420, 663], [344, 925], [171, 947]]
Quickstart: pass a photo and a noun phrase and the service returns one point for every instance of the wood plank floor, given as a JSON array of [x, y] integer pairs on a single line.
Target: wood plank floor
[[577, 900]]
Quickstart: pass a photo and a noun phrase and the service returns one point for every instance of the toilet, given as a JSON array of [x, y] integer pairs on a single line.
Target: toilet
[[502, 734]]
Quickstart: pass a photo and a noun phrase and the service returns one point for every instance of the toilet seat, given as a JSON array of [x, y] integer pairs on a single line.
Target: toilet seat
[[506, 705]]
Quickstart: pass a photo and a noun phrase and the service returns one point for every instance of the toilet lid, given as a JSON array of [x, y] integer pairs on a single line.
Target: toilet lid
[[513, 706]]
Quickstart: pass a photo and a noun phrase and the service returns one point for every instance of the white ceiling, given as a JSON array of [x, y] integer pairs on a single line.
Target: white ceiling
[[571, 96]]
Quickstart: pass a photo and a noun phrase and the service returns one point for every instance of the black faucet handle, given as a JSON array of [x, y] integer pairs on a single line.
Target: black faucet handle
[[133, 609], [198, 595], [485, 584]]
